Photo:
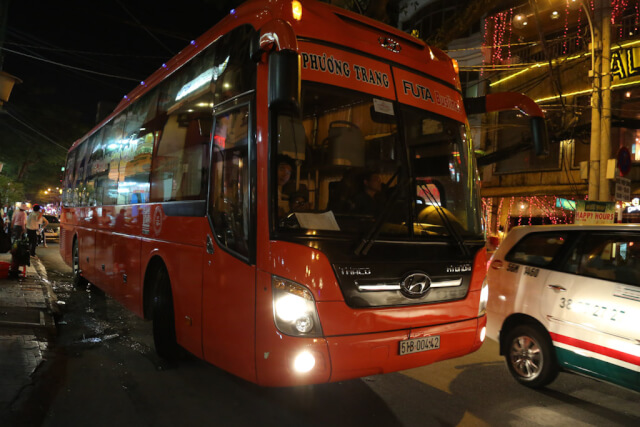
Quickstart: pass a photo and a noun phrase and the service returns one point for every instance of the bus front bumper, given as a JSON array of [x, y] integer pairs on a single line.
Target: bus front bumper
[[339, 358]]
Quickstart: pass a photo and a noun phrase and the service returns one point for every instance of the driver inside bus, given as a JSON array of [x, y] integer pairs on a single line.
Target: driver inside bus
[[287, 188]]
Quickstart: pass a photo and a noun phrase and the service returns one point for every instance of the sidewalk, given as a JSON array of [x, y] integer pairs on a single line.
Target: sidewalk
[[27, 307]]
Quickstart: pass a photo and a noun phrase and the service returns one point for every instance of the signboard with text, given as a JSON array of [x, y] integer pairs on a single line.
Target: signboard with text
[[595, 212], [623, 189]]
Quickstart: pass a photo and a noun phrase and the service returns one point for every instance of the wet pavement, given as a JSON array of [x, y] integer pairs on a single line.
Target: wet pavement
[[27, 309]]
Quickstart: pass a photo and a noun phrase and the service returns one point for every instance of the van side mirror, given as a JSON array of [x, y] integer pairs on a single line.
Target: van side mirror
[[284, 81]]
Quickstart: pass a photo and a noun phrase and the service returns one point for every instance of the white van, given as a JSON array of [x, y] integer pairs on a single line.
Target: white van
[[567, 297]]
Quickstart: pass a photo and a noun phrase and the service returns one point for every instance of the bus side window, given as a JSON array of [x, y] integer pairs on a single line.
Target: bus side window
[[229, 199], [135, 159]]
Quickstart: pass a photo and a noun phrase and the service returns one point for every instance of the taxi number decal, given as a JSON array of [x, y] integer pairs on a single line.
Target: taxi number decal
[[595, 310], [513, 268], [531, 271]]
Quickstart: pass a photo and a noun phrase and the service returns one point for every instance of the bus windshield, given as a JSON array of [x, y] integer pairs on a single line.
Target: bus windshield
[[354, 162]]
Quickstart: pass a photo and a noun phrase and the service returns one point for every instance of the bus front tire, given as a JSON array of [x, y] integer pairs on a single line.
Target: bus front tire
[[530, 356], [164, 327]]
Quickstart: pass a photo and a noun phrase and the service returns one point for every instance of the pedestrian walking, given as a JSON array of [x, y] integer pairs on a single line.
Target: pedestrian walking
[[19, 222], [34, 221]]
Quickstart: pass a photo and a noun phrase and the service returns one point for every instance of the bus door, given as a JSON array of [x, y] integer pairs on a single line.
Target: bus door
[[228, 276]]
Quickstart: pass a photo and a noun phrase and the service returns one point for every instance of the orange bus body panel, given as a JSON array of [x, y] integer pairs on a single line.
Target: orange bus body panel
[[228, 310], [184, 265]]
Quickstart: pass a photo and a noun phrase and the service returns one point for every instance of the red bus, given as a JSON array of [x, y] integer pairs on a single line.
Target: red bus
[[291, 204]]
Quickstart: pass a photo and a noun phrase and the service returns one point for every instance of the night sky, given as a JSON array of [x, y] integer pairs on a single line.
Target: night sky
[[59, 48]]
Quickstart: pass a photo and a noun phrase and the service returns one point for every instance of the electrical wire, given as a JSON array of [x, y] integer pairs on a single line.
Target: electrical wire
[[34, 130], [84, 52], [69, 66], [145, 28]]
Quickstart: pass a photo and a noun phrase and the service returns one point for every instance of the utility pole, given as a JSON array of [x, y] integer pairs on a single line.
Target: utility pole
[[596, 62], [605, 115]]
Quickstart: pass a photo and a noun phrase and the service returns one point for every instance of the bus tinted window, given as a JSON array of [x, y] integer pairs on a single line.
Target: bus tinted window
[[233, 61], [180, 161], [95, 170], [135, 152], [230, 180], [69, 170], [112, 142]]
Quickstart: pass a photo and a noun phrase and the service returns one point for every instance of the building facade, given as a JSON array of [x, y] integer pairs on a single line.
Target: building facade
[[544, 50]]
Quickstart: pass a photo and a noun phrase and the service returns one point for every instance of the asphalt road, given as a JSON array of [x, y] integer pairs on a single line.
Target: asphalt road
[[106, 373]]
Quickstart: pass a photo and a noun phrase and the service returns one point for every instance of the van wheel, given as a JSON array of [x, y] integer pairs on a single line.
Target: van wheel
[[164, 327], [530, 356], [78, 280]]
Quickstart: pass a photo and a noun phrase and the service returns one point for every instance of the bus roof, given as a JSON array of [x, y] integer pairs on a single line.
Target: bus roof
[[348, 29]]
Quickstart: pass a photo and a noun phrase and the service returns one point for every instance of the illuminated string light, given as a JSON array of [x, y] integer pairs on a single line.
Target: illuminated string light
[[499, 212], [566, 27], [579, 27], [509, 213], [510, 20], [485, 44]]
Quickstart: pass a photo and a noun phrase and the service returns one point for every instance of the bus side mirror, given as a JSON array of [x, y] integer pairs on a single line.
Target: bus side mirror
[[540, 136], [284, 81]]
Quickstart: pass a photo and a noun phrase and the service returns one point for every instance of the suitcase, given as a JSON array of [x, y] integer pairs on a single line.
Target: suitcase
[[21, 252]]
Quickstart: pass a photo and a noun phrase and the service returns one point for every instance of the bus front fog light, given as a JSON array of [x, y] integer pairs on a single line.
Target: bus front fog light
[[483, 334], [304, 362]]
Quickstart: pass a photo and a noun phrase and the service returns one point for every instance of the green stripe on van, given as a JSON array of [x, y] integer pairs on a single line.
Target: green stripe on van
[[598, 369]]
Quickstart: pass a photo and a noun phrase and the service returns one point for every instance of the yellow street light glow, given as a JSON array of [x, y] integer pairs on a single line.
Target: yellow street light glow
[[555, 62], [296, 10], [551, 98]]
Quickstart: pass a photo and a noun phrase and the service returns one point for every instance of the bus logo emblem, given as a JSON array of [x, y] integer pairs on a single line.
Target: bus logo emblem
[[390, 44], [415, 285], [157, 220]]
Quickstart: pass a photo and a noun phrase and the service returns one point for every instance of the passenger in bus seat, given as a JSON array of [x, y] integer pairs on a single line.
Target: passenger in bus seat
[[342, 193], [369, 200]]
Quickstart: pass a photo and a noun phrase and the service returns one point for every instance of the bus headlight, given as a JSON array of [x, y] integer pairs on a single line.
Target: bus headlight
[[484, 297], [294, 309]]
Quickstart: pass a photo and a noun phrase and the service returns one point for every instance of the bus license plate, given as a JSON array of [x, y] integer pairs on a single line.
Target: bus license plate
[[417, 345]]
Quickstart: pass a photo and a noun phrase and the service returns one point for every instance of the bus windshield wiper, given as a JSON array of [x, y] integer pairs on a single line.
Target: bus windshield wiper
[[370, 236], [445, 220]]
